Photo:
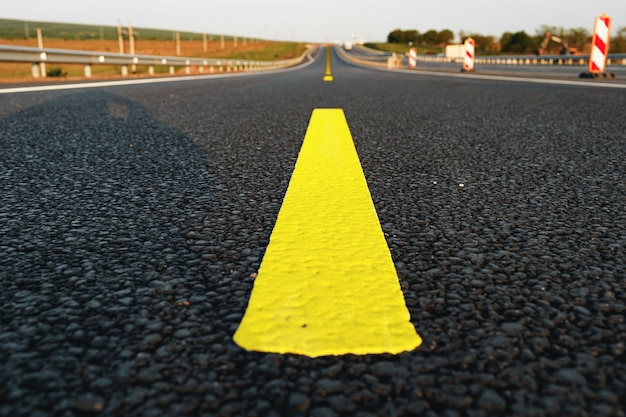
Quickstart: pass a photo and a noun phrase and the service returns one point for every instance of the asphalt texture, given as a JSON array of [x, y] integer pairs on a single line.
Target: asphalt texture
[[133, 220]]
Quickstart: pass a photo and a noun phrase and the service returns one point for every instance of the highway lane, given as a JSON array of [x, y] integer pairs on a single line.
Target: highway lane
[[133, 220]]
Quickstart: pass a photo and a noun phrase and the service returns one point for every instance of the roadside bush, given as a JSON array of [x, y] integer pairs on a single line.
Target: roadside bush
[[56, 72]]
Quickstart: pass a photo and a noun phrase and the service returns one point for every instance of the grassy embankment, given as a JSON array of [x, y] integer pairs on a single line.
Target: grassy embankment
[[147, 42], [402, 48]]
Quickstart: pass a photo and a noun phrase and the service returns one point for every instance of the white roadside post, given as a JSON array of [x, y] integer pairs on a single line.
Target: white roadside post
[[412, 58], [131, 40], [599, 48], [120, 37], [42, 65], [468, 59], [34, 70]]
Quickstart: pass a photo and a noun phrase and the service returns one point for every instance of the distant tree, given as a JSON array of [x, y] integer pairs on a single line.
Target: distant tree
[[518, 43], [554, 30], [430, 38], [395, 36], [445, 36], [411, 36], [618, 43], [483, 43], [578, 38], [403, 36]]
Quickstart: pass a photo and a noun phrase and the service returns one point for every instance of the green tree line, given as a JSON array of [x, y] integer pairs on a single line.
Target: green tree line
[[577, 40]]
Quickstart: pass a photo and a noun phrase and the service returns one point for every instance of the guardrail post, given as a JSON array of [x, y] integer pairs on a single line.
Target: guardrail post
[[88, 70], [34, 70], [151, 70], [391, 61], [172, 69], [124, 70], [42, 65]]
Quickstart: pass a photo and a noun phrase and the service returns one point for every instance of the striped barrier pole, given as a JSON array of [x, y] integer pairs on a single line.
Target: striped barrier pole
[[468, 59], [600, 44], [599, 48], [412, 58]]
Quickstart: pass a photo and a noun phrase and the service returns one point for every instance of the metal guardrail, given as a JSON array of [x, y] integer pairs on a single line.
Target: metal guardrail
[[612, 59], [39, 57], [385, 60]]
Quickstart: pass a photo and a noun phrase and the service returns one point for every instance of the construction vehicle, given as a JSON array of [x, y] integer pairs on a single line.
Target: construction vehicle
[[549, 37]]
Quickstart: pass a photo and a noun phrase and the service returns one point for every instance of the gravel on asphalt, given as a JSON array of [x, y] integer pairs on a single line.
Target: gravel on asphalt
[[133, 221]]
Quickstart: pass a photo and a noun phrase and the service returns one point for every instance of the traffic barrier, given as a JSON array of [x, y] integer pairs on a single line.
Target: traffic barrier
[[600, 44], [468, 60], [391, 61], [412, 58], [599, 48]]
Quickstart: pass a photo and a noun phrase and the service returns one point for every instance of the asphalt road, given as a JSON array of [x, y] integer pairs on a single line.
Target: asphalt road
[[133, 220]]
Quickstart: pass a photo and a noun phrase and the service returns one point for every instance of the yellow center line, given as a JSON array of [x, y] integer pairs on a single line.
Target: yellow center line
[[327, 284]]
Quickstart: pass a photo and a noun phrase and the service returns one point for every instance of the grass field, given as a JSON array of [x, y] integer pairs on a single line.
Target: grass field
[[150, 42], [21, 29], [402, 48]]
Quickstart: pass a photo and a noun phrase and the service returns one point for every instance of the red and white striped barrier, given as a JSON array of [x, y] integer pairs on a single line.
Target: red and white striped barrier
[[468, 60], [412, 58], [600, 44]]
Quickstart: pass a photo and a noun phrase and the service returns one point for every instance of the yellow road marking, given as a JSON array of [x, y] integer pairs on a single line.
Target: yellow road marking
[[327, 284], [328, 74]]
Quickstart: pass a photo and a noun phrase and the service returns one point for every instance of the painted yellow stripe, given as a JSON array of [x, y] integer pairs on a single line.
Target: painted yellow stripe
[[327, 284]]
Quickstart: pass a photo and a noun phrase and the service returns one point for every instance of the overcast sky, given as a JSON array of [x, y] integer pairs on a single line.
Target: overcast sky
[[324, 20]]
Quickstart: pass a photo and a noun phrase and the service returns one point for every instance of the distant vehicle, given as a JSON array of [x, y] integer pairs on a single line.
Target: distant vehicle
[[455, 51], [550, 38], [347, 46]]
